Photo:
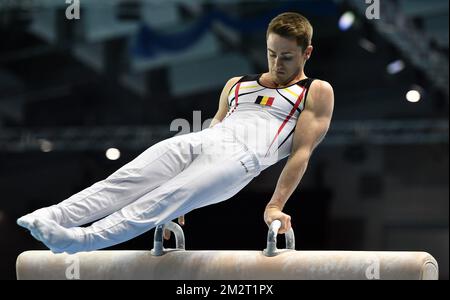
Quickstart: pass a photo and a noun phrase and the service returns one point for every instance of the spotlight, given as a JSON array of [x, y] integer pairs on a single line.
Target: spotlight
[[367, 45], [346, 21], [413, 95], [113, 154], [45, 145], [395, 67]]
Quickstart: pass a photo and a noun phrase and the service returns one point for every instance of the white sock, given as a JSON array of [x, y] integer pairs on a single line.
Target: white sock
[[26, 221], [54, 236]]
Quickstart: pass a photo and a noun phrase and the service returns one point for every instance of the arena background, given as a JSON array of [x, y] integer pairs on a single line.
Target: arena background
[[121, 74]]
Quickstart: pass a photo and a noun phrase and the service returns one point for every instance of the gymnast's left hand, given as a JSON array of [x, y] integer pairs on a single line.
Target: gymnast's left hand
[[274, 213], [168, 232]]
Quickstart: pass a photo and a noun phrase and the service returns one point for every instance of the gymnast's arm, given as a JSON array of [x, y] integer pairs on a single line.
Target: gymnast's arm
[[311, 128], [223, 101]]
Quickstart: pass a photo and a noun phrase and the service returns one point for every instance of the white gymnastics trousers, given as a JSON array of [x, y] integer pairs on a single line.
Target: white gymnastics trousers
[[169, 179]]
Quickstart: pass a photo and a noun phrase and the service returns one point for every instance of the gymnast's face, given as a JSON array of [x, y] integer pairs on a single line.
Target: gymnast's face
[[285, 58]]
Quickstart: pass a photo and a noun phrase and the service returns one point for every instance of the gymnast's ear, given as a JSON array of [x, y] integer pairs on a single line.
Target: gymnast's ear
[[308, 52]]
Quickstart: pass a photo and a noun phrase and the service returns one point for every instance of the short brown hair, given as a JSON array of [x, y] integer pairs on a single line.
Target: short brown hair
[[292, 25]]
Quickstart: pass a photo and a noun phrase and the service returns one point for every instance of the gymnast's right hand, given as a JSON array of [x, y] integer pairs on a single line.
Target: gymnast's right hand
[[168, 232], [274, 213]]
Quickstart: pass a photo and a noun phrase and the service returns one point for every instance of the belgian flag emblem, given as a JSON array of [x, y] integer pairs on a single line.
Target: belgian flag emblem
[[265, 101]]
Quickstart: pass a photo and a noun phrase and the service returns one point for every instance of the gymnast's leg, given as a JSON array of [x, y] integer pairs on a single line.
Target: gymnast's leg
[[149, 170], [209, 179]]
